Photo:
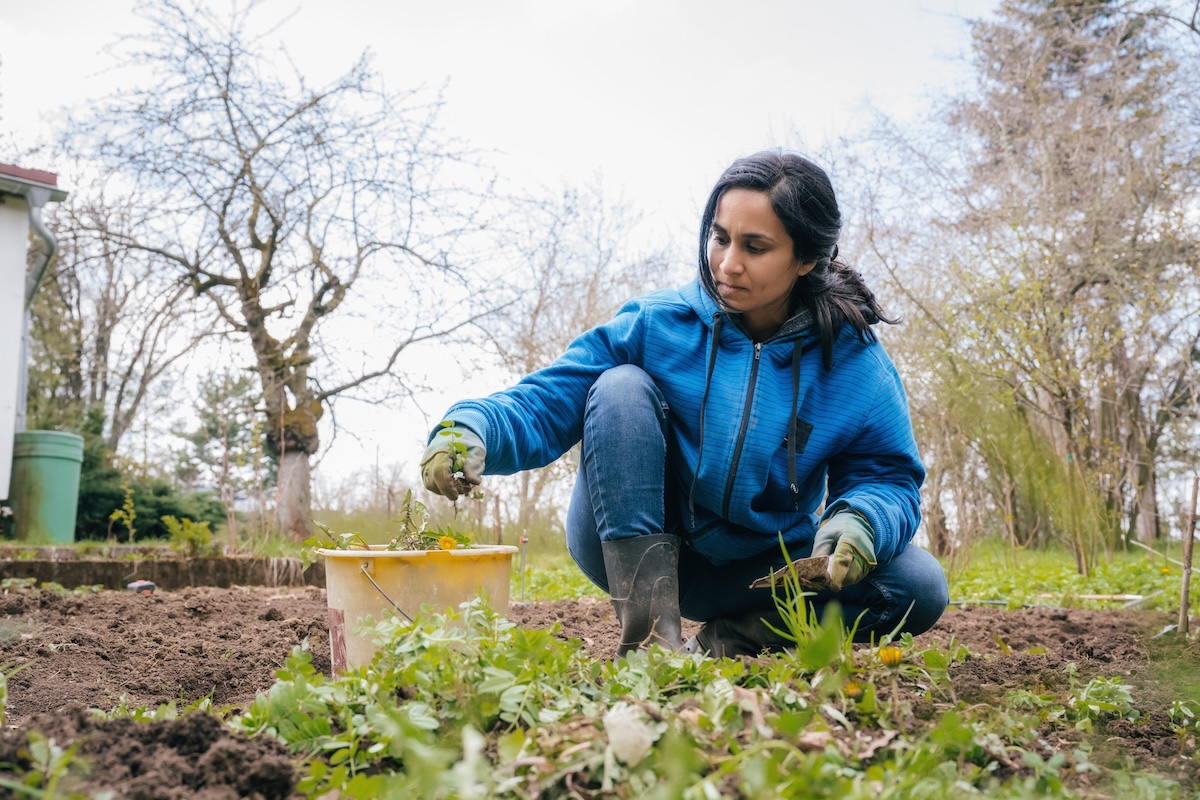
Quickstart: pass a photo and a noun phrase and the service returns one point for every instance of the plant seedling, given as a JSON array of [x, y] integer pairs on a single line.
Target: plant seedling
[[413, 535], [1184, 722], [458, 456], [328, 540], [458, 463], [126, 514]]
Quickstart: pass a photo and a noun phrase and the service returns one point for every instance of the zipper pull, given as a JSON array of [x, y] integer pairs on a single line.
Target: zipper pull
[[757, 350]]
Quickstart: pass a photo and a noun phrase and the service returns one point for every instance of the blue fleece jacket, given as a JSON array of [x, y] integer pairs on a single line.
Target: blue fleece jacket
[[851, 433]]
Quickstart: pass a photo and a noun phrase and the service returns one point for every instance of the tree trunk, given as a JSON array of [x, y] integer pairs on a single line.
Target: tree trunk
[[291, 433], [935, 528], [1146, 504], [935, 516], [1010, 508], [532, 486], [524, 507], [496, 521], [293, 501], [1137, 455], [1106, 431]]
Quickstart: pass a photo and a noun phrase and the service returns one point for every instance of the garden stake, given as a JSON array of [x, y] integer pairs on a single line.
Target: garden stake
[[1189, 536], [1162, 555], [522, 541]]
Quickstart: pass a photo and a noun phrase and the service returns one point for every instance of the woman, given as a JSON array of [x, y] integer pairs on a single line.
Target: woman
[[751, 404]]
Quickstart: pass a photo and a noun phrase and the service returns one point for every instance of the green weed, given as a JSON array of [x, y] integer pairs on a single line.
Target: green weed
[[126, 514], [1184, 721], [49, 765], [191, 539], [1101, 698], [552, 582], [410, 533], [1048, 577], [5, 675], [30, 586], [483, 708]]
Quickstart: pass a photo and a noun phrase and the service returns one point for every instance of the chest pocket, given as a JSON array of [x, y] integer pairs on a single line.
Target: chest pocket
[[779, 494], [803, 431]]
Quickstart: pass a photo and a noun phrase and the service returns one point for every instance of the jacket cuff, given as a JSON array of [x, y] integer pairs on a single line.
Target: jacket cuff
[[841, 507], [463, 418]]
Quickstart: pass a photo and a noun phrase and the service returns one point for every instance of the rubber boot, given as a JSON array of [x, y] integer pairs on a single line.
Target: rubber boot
[[643, 579], [744, 634]]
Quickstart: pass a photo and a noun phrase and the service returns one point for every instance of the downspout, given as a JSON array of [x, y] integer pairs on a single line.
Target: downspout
[[37, 197]]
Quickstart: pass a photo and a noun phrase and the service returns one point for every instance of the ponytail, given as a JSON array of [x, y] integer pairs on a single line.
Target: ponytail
[[836, 293]]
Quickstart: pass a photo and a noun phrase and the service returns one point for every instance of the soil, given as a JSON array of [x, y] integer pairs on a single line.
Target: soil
[[92, 650]]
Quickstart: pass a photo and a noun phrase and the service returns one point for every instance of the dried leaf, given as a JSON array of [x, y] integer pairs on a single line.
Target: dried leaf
[[630, 734], [813, 741], [876, 744]]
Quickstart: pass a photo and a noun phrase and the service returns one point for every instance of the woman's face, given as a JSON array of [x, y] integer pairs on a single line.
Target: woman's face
[[752, 262]]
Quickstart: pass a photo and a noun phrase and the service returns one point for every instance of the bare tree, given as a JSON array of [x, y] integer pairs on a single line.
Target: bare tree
[[109, 322], [574, 262], [322, 224], [1184, 14], [1050, 257]]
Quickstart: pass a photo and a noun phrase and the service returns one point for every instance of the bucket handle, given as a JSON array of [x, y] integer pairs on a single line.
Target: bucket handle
[[385, 597]]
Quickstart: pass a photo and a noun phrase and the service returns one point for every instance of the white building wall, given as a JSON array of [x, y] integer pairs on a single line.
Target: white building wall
[[14, 241]]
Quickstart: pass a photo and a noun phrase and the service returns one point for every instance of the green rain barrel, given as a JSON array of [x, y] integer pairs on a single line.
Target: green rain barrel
[[44, 495]]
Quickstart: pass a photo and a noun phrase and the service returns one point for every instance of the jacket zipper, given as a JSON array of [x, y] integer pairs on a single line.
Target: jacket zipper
[[737, 452]]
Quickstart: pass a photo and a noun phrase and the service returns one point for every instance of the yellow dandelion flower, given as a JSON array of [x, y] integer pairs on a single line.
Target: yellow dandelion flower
[[447, 543], [890, 656], [853, 689], [1166, 570]]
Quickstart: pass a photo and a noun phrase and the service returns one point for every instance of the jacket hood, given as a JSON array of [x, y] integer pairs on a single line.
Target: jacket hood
[[800, 323]]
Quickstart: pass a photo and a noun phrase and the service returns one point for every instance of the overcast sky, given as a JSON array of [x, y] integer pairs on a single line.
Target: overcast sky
[[654, 97]]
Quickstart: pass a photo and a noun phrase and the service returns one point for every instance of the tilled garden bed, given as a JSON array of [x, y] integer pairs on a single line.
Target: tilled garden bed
[[96, 650]]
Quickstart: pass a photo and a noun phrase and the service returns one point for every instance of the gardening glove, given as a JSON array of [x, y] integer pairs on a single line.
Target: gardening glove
[[453, 461], [849, 541]]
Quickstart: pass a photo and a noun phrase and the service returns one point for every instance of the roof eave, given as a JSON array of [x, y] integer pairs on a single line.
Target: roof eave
[[19, 187]]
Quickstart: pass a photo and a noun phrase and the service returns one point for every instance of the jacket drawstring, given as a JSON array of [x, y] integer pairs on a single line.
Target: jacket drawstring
[[793, 480], [718, 320]]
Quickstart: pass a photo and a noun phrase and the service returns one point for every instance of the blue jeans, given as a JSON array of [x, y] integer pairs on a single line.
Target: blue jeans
[[623, 490]]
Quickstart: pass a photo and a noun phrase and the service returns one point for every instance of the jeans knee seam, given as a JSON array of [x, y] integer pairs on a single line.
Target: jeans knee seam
[[889, 600], [662, 503], [603, 510], [883, 590]]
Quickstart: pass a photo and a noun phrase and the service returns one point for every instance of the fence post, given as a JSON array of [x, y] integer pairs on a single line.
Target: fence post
[[1188, 538]]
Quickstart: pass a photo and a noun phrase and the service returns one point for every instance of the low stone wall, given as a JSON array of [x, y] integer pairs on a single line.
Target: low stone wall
[[18, 551], [166, 573]]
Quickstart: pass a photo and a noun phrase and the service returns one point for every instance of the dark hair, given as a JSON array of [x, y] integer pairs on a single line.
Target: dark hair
[[804, 201]]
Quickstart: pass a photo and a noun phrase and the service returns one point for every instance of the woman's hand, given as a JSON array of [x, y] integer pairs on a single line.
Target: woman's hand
[[453, 462], [850, 542]]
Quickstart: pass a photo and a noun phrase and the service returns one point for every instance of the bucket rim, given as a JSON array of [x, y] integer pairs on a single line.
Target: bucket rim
[[381, 551], [48, 435]]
